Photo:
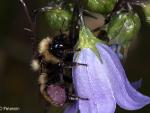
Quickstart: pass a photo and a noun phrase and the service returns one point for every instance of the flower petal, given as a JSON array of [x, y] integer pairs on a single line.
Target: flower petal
[[72, 108], [91, 82], [126, 96]]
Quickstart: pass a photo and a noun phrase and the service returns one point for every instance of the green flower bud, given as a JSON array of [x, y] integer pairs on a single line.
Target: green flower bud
[[58, 18], [123, 27], [101, 6]]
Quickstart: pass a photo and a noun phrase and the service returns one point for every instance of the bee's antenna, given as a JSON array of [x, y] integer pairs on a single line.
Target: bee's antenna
[[28, 15], [32, 25]]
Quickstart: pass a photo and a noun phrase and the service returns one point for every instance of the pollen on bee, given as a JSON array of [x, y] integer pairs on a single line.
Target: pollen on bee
[[35, 64], [44, 45]]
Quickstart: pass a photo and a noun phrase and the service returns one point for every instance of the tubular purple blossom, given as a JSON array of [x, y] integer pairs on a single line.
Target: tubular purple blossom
[[103, 81], [92, 82]]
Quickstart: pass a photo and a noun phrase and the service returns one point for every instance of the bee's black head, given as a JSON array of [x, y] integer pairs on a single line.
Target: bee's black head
[[58, 45]]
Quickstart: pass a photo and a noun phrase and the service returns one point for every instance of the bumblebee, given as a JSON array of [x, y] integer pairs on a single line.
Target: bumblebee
[[53, 61]]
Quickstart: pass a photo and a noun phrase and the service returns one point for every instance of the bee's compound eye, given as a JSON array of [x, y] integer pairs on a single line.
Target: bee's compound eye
[[57, 94], [57, 46]]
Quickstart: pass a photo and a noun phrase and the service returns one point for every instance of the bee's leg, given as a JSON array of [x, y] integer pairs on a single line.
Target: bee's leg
[[70, 64], [70, 51], [72, 97]]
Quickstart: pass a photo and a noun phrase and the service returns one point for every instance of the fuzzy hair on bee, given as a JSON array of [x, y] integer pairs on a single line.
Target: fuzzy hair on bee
[[35, 65], [44, 50], [44, 45]]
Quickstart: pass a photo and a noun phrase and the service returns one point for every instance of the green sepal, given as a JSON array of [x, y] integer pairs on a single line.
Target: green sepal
[[88, 40]]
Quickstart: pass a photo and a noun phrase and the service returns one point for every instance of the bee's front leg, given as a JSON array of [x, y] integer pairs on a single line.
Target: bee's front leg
[[70, 51], [70, 64]]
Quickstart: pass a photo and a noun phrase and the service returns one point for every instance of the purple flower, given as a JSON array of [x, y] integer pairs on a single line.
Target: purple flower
[[103, 82]]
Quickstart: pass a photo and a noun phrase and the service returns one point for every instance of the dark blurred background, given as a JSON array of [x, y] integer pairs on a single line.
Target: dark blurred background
[[18, 83]]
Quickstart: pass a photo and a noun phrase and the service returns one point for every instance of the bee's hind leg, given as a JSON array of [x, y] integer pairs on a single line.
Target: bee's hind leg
[[72, 97]]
